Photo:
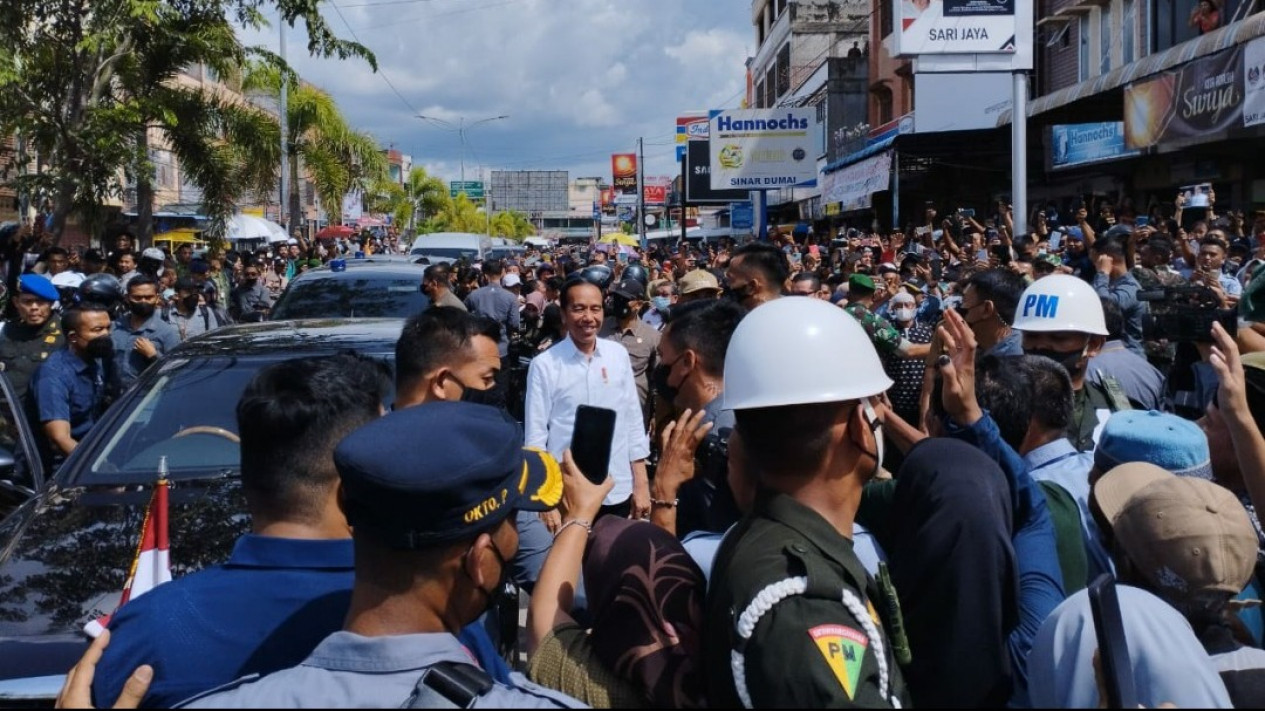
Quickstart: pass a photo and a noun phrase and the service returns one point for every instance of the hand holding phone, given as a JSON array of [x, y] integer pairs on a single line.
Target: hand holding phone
[[591, 441]]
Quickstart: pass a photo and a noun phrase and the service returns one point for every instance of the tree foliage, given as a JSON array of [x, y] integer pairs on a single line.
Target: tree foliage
[[83, 83], [336, 157]]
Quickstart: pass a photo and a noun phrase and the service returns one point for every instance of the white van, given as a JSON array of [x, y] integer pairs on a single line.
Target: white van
[[448, 247]]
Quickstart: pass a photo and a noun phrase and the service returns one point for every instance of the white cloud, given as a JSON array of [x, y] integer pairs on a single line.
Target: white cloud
[[580, 79]]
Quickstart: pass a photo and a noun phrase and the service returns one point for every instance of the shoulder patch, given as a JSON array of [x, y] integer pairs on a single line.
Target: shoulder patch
[[844, 649]]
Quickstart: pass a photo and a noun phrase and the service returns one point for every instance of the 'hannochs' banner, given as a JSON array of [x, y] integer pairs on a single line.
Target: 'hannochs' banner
[[763, 149], [1197, 101], [624, 173]]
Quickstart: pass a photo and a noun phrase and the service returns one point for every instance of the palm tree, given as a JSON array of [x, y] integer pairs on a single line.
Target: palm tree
[[225, 147], [514, 225], [336, 156], [426, 194]]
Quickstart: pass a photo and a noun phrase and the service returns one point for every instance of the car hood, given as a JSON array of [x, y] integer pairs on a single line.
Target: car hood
[[66, 556]]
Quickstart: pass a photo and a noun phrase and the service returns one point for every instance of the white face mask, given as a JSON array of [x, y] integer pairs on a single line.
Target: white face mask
[[905, 314], [876, 426]]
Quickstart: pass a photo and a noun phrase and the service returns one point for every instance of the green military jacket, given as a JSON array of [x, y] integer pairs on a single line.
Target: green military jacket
[[790, 617], [1091, 406], [24, 349]]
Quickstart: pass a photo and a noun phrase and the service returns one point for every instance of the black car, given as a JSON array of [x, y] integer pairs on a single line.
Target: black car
[[371, 287], [65, 553]]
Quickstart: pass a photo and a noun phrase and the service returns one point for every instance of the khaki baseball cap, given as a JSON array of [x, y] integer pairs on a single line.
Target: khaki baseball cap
[[1185, 535], [698, 280]]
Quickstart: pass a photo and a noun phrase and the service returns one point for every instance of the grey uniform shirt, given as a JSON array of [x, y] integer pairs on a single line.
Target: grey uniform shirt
[[499, 305], [347, 670]]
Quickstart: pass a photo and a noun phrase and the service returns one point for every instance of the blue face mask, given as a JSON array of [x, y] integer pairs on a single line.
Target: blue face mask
[[661, 303]]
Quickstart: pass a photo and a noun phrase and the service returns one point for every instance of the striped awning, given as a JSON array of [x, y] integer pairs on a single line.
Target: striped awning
[[1232, 34]]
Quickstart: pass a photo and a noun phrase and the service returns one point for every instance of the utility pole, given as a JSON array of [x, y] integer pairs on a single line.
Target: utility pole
[[283, 207], [1019, 154], [641, 194], [681, 195]]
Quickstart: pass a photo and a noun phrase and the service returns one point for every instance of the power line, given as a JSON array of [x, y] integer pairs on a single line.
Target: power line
[[387, 2], [418, 18], [381, 72]]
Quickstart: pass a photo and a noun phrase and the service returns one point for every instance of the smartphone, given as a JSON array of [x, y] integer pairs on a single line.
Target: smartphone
[[1056, 241], [966, 211], [591, 441], [937, 271], [1113, 647], [1141, 221]]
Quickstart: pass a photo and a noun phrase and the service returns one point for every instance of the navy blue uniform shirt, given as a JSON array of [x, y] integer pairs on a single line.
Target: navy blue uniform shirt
[[67, 387]]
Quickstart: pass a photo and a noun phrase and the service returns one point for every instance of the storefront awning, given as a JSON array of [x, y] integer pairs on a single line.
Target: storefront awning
[[857, 156], [1215, 41]]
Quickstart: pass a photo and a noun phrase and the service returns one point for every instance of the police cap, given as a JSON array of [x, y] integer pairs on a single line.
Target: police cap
[[443, 472], [38, 285]]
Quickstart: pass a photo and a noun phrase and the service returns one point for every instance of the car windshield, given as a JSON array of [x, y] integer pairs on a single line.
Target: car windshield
[[187, 414], [453, 253], [346, 296]]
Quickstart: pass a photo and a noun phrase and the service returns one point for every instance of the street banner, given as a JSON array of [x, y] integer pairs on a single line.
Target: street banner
[[763, 149], [1076, 144], [698, 178], [1197, 101], [1254, 82], [689, 128], [926, 27], [655, 190], [624, 173], [851, 187]]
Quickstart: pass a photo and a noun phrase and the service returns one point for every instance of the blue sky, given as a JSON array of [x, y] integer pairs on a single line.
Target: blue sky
[[579, 79]]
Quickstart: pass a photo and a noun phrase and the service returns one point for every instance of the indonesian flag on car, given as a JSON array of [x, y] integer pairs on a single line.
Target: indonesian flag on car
[[151, 565]]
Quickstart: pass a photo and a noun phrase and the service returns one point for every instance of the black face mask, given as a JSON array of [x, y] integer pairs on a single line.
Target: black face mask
[[492, 397], [739, 293], [99, 347], [659, 381], [620, 307], [141, 309], [1067, 359]]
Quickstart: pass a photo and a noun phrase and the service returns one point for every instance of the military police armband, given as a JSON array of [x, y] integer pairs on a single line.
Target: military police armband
[[775, 593]]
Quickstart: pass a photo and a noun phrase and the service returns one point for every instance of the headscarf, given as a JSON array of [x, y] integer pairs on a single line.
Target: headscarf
[[953, 566], [1169, 663], [641, 583]]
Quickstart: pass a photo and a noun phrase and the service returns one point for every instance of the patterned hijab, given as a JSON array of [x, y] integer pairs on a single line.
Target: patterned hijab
[[646, 598]]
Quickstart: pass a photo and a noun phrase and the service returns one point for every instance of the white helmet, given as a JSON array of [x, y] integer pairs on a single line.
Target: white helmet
[[67, 280], [1060, 302], [798, 351]]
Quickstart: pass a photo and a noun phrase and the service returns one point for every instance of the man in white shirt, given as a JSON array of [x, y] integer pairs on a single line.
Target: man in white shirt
[[586, 370]]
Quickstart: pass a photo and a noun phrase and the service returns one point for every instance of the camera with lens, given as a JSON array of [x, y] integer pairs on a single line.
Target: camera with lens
[[1182, 314]]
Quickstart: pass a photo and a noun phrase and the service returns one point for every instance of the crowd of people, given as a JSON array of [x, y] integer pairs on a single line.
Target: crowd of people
[[857, 470]]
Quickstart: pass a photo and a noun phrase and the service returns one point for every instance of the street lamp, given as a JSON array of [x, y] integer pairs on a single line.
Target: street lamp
[[461, 127]]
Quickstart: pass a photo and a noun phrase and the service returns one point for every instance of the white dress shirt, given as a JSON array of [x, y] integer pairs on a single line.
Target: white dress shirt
[[561, 379]]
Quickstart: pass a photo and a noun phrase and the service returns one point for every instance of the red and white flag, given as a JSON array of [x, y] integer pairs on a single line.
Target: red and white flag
[[151, 565]]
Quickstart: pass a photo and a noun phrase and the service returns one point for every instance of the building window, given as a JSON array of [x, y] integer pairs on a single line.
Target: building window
[[884, 19], [1082, 31], [759, 95], [1128, 30], [1104, 39], [1171, 19], [784, 69], [882, 105], [770, 87]]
